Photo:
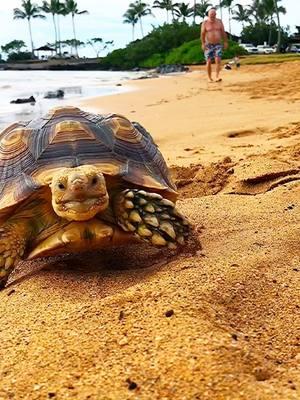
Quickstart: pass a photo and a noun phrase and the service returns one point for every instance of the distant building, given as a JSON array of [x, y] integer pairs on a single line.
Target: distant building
[[43, 52]]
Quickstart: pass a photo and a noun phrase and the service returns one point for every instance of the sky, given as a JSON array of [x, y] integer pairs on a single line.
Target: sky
[[105, 20]]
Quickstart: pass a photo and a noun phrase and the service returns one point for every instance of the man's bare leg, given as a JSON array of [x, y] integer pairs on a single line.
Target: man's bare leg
[[208, 67], [218, 69]]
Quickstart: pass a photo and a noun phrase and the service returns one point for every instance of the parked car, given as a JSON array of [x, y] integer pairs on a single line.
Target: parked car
[[264, 49], [295, 48], [251, 49]]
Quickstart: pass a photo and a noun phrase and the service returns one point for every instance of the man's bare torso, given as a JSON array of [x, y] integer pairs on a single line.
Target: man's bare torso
[[213, 31]]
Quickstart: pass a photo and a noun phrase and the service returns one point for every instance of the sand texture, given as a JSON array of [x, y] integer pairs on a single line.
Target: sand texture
[[219, 321]]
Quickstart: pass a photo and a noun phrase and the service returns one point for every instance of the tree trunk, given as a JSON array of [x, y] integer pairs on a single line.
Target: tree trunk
[[141, 25], [278, 27], [74, 34], [229, 20], [270, 31], [58, 35], [55, 32], [221, 13], [133, 32], [194, 14], [30, 33], [172, 11], [167, 16]]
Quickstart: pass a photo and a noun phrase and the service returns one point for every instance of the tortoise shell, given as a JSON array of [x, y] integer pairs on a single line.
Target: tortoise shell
[[68, 137]]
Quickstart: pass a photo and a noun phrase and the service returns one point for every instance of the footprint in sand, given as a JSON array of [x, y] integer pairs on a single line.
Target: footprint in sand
[[261, 174], [162, 101], [243, 133]]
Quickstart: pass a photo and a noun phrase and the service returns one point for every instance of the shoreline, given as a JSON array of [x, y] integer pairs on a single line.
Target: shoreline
[[76, 86]]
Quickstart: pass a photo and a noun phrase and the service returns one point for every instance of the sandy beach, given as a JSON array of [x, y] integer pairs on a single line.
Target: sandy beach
[[220, 321]]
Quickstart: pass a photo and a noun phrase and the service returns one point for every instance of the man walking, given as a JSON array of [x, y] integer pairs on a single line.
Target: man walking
[[212, 33]]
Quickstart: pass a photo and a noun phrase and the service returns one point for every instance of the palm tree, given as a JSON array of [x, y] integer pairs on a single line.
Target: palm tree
[[278, 26], [258, 11], [163, 5], [141, 10], [264, 11], [183, 10], [202, 7], [71, 7], [52, 7], [30, 10], [130, 17], [278, 10], [242, 14], [221, 9], [228, 4]]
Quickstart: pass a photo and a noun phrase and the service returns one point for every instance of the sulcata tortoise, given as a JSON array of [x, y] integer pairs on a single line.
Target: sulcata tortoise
[[72, 181]]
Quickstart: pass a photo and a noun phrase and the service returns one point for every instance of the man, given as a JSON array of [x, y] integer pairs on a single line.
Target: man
[[212, 33]]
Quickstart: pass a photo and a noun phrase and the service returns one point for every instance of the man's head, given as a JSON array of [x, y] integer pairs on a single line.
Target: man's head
[[78, 194], [212, 13]]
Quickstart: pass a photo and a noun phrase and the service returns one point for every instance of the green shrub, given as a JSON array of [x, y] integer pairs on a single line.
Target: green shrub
[[192, 53], [20, 56], [153, 61], [161, 40]]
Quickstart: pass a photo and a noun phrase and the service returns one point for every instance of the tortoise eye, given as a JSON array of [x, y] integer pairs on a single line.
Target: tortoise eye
[[94, 180], [61, 186]]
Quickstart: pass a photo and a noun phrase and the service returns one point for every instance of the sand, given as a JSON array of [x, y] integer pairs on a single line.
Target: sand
[[218, 321]]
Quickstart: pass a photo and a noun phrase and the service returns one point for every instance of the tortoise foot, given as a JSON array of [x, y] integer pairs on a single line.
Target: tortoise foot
[[152, 218]]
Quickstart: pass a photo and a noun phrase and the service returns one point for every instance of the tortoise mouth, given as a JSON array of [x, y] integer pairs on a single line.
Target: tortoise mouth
[[83, 205], [80, 210]]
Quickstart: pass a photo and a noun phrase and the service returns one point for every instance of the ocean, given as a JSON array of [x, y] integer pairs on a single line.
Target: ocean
[[76, 85]]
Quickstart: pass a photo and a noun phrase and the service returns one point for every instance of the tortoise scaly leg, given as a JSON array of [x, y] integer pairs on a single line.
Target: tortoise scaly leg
[[17, 233], [151, 217], [12, 247]]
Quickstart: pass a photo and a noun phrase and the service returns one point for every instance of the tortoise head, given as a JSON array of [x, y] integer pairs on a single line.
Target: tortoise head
[[79, 193]]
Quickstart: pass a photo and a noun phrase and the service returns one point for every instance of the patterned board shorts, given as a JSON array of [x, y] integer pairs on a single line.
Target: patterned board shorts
[[212, 51]]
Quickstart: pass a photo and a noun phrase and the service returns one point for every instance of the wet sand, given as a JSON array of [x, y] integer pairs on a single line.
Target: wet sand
[[220, 321]]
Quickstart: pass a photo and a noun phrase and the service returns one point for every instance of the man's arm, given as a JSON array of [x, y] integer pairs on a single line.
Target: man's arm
[[224, 36], [203, 34]]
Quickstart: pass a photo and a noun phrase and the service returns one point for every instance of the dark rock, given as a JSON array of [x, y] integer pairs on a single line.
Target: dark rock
[[56, 94], [30, 99], [171, 68], [148, 76]]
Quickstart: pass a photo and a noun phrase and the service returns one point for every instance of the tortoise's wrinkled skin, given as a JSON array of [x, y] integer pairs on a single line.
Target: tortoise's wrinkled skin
[[73, 181]]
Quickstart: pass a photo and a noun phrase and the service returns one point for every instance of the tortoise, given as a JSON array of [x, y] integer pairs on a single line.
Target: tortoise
[[72, 181]]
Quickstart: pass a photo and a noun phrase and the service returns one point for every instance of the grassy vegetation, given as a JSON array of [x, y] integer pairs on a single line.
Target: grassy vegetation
[[269, 58]]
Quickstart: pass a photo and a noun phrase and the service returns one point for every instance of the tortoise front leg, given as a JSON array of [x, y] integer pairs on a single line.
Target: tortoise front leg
[[16, 234], [13, 238], [151, 217]]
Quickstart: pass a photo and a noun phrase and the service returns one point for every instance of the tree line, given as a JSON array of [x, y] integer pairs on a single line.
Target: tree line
[[16, 49], [256, 17], [260, 12]]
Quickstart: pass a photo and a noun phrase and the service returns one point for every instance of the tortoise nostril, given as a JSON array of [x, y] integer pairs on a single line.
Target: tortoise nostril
[[78, 185]]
